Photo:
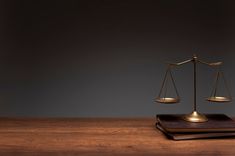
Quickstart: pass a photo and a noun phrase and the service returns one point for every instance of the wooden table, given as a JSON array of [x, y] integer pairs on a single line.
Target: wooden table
[[101, 136]]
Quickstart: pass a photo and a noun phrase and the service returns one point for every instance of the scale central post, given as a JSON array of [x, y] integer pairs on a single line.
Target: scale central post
[[195, 116]]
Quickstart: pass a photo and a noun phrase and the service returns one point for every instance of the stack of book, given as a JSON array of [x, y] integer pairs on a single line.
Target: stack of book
[[174, 127]]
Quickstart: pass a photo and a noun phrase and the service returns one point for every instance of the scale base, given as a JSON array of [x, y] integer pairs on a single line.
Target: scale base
[[195, 117]]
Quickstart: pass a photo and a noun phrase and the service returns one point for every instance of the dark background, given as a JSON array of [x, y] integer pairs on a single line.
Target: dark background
[[106, 58]]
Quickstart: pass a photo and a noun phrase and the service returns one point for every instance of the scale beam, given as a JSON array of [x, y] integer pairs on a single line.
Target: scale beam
[[212, 64]]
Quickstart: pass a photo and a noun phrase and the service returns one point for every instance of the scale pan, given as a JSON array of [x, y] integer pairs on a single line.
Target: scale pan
[[168, 100], [219, 99]]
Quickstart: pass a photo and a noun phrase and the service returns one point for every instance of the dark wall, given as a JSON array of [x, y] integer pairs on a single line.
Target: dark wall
[[107, 58]]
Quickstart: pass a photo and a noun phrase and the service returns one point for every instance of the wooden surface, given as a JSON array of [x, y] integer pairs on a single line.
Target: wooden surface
[[99, 137]]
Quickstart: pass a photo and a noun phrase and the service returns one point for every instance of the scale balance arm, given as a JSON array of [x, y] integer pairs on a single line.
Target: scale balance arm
[[179, 63], [211, 64]]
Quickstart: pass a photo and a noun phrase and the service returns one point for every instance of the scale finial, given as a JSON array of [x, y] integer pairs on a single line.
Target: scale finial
[[195, 56]]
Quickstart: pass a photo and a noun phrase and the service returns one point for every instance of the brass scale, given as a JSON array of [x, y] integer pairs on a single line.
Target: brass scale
[[195, 116]]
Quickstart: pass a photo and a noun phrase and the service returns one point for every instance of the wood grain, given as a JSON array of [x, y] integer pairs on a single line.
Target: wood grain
[[98, 136]]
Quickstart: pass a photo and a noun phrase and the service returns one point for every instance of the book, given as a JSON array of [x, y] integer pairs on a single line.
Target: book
[[189, 136], [215, 123], [217, 126]]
